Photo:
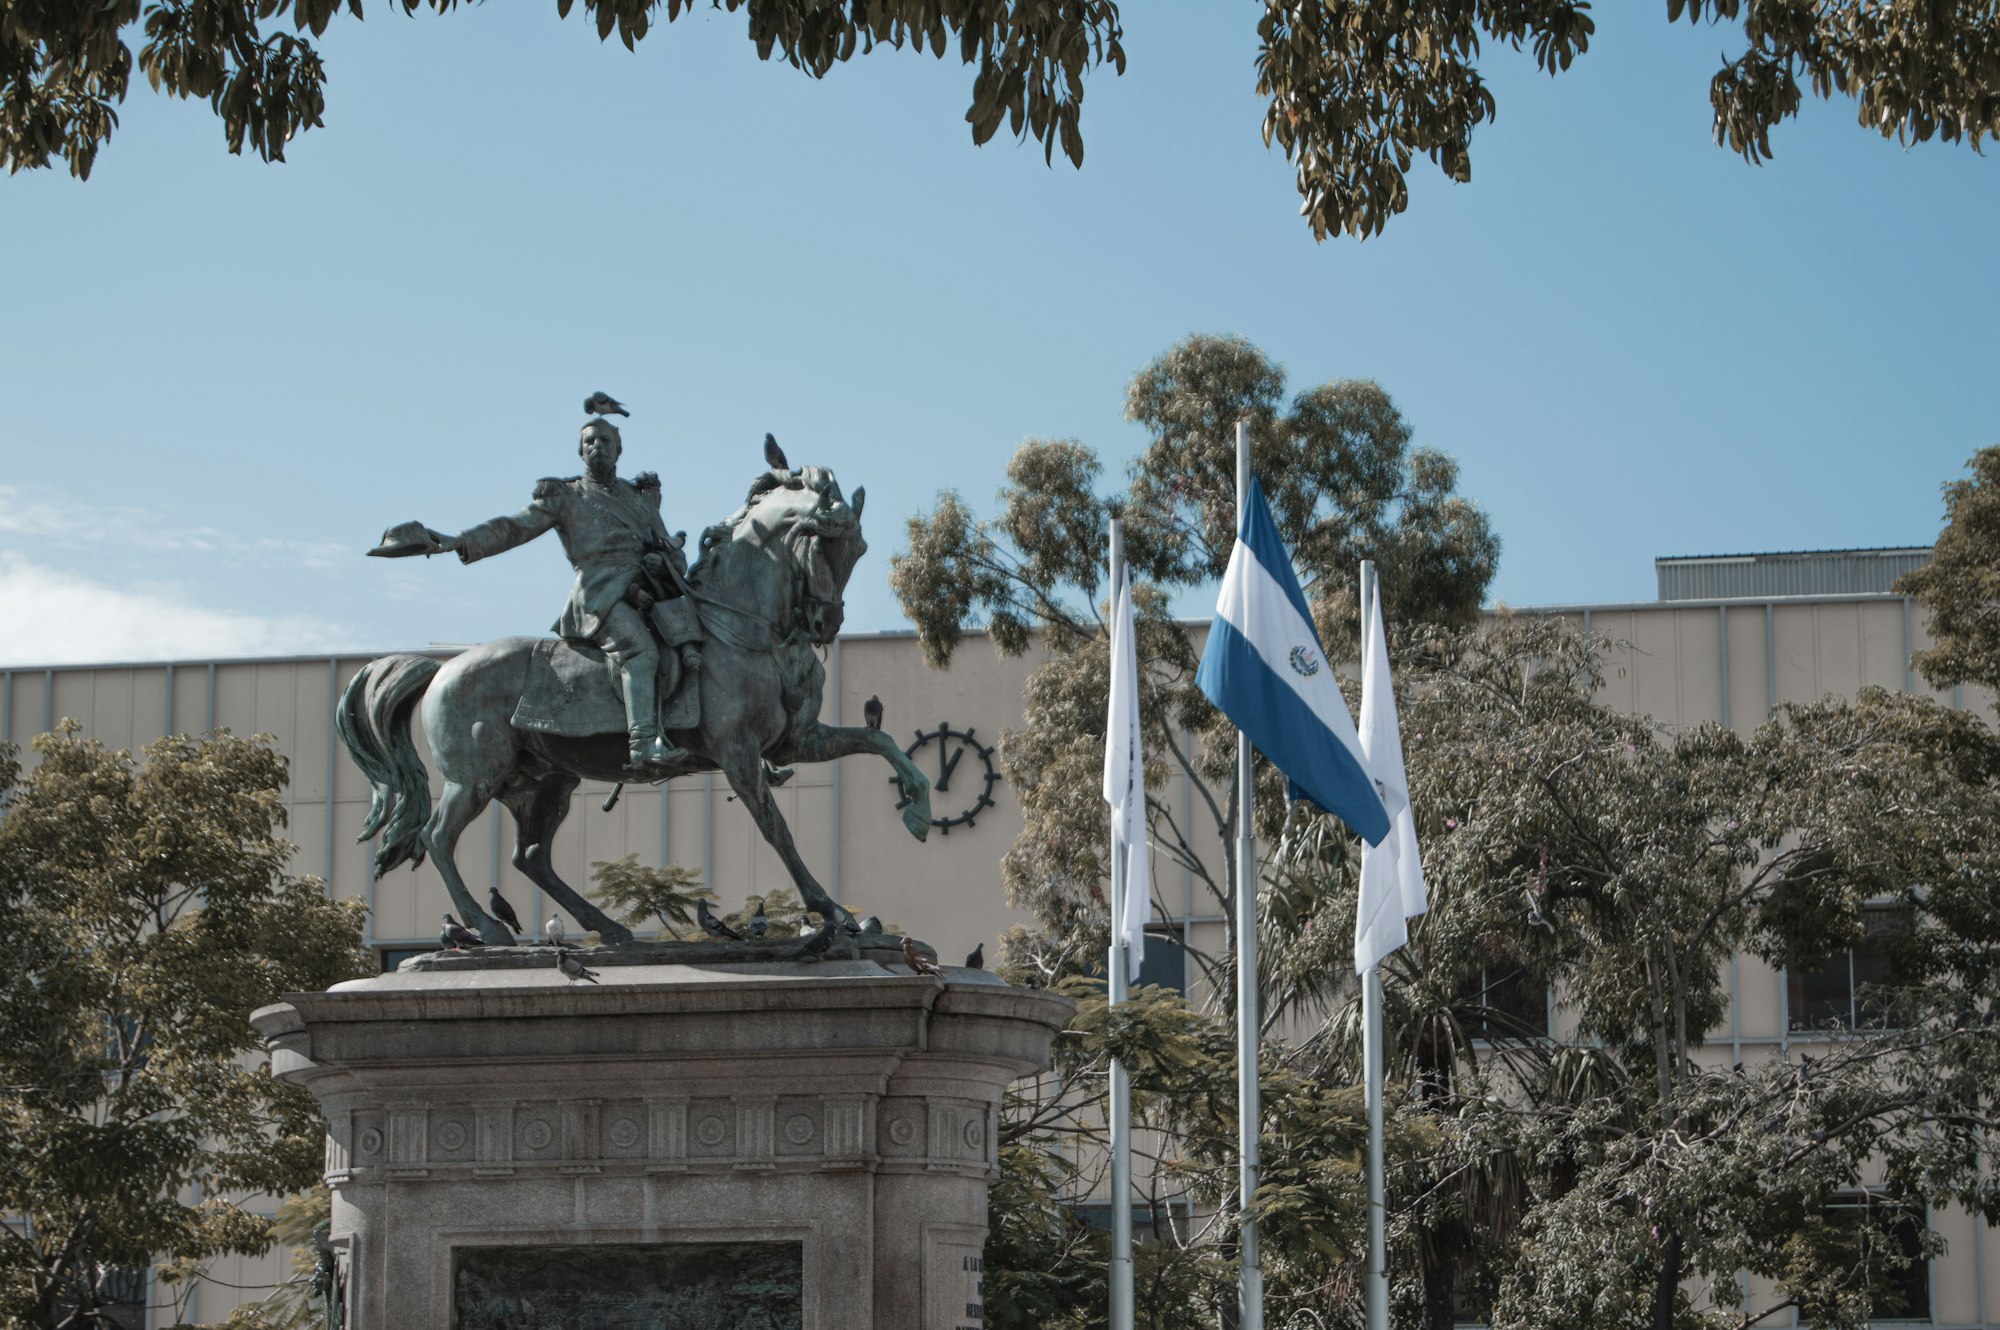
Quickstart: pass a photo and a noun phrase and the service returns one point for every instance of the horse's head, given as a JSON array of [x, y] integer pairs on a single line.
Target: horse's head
[[819, 530]]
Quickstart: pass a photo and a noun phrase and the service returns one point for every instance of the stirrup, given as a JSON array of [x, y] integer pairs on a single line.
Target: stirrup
[[651, 750]]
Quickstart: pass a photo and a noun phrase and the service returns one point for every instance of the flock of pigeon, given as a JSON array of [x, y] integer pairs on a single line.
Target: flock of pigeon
[[455, 936]]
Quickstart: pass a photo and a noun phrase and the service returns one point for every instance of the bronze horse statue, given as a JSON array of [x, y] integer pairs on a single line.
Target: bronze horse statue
[[767, 587]]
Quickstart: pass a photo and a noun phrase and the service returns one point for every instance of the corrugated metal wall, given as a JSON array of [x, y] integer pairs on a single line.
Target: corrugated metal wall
[[1806, 573]]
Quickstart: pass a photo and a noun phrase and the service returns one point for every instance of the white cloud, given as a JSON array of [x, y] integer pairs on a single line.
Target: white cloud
[[48, 617], [51, 518]]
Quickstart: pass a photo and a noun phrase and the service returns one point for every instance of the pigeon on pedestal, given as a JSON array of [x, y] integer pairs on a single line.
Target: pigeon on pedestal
[[759, 924], [977, 960], [820, 942], [916, 960], [555, 930], [711, 925], [573, 968], [497, 906], [455, 936]]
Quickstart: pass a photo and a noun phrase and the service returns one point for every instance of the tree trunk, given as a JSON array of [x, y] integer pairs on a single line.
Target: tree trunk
[[1440, 1273], [1669, 1285]]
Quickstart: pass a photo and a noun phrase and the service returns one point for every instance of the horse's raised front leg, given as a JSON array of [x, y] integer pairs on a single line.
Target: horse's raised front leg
[[452, 816], [744, 766], [539, 807], [824, 743]]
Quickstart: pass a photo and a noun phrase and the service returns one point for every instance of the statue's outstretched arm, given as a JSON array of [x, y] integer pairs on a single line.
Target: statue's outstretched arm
[[504, 533]]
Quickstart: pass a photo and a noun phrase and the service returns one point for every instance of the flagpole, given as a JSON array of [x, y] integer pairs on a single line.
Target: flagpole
[[1376, 1284], [1121, 1082], [1249, 1113]]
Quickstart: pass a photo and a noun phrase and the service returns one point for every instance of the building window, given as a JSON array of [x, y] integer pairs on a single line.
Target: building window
[[1849, 990], [1165, 962], [1097, 1215], [392, 957], [1888, 1236], [117, 1292], [1516, 1002]]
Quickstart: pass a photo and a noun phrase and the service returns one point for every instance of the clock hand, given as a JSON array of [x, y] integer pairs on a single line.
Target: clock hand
[[945, 768]]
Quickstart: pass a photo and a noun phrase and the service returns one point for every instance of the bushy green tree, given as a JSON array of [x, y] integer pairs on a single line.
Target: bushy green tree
[[1344, 483], [639, 895], [301, 1225], [1568, 846], [1960, 587], [1356, 91], [149, 908], [1624, 864]]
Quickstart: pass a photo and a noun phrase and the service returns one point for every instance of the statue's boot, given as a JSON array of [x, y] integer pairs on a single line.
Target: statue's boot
[[649, 747]]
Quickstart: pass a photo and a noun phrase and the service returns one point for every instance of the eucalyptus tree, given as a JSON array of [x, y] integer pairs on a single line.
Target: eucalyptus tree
[[1621, 1176], [1344, 483], [1960, 587], [1608, 1172], [1355, 91], [150, 908]]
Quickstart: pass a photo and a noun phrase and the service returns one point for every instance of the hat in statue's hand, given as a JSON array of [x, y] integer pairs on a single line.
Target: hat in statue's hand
[[405, 539]]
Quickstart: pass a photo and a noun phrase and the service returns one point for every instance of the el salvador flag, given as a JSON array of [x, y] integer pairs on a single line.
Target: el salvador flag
[[1264, 668]]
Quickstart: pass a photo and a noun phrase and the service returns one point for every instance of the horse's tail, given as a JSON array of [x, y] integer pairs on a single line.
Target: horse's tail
[[373, 720]]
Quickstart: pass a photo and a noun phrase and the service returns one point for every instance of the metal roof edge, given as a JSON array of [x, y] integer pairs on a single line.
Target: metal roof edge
[[894, 634], [1879, 550], [1706, 602]]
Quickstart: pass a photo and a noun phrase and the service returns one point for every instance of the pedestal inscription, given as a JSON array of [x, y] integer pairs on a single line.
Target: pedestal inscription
[[688, 1286]]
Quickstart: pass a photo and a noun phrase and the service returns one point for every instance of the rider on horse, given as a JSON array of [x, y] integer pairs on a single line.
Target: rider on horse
[[624, 559]]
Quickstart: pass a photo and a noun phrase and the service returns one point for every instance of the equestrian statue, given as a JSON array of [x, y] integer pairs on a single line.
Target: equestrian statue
[[657, 670]]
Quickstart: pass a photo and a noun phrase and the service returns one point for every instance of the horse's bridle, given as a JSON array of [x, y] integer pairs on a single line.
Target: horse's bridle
[[817, 618]]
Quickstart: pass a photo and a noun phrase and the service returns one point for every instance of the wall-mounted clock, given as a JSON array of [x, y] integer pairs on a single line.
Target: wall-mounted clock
[[953, 746]]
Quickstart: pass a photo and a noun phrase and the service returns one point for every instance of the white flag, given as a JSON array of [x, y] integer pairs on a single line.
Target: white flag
[[1392, 873], [1125, 778]]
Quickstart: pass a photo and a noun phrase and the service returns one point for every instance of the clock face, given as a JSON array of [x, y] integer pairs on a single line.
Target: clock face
[[961, 773]]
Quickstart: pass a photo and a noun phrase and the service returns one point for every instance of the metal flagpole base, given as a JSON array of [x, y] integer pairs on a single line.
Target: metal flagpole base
[[1377, 1284]]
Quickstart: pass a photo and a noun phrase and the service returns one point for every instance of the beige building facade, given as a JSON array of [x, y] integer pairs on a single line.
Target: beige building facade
[[1685, 661]]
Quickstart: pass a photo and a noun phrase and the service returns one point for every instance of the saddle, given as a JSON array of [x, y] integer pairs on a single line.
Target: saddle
[[572, 687]]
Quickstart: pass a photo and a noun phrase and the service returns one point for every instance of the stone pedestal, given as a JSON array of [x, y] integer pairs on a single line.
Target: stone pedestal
[[486, 1125]]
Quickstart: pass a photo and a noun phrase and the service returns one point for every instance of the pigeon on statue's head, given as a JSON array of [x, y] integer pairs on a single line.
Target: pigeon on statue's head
[[604, 404], [774, 456]]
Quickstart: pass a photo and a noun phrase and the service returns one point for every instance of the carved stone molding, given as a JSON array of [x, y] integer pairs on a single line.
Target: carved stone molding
[[848, 1109]]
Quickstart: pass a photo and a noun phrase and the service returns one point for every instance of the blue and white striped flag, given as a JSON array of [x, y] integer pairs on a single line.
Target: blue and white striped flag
[[1265, 669]]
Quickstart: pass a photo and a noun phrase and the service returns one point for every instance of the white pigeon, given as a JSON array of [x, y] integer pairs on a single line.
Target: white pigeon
[[555, 930]]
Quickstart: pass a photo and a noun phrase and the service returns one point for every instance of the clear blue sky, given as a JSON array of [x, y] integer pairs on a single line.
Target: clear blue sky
[[220, 379]]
